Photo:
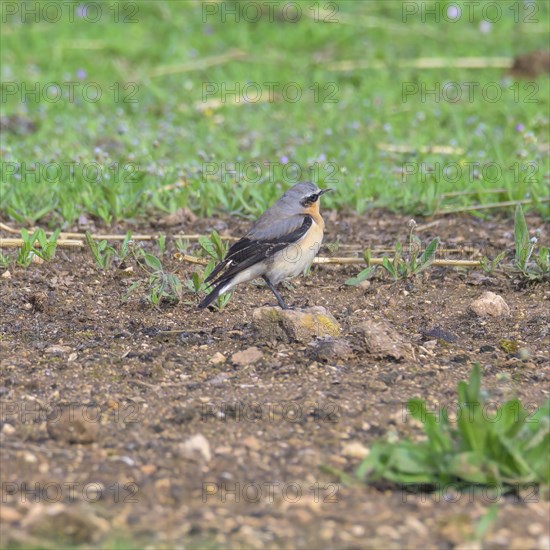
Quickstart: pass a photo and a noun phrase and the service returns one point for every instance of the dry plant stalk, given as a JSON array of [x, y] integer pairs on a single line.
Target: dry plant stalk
[[487, 206], [344, 261], [109, 237], [426, 149], [61, 243], [199, 64], [427, 63]]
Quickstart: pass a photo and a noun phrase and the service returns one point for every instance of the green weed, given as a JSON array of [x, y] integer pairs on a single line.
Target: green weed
[[5, 260], [162, 285], [102, 252], [401, 266], [508, 448], [214, 249], [45, 250], [526, 249]]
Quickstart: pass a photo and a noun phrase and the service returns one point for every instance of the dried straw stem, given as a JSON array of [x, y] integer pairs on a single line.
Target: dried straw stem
[[61, 243]]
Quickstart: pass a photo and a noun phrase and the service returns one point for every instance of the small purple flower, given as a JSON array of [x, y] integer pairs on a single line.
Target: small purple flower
[[82, 10], [453, 12], [81, 74], [284, 159], [485, 27], [322, 157], [207, 29], [519, 127]]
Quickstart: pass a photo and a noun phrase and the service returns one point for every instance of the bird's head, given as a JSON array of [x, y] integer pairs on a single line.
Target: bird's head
[[304, 197]]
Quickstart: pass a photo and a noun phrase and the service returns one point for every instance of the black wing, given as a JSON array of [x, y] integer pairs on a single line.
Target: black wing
[[247, 252]]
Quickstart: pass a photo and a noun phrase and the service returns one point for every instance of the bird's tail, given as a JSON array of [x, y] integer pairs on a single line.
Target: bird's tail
[[209, 298]]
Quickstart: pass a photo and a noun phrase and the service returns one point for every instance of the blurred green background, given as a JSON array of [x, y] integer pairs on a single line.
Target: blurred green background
[[343, 102]]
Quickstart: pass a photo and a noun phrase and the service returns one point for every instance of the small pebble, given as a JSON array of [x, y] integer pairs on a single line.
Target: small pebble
[[217, 359], [8, 429]]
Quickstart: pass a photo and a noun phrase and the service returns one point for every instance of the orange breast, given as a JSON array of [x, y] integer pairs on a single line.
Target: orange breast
[[313, 239], [313, 211]]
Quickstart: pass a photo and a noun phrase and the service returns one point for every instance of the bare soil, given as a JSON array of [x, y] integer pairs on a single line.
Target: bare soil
[[146, 380]]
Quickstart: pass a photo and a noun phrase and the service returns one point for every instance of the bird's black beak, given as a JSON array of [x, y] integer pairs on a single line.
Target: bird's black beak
[[323, 191]]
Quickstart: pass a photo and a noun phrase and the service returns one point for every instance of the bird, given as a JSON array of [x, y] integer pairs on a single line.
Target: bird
[[280, 245]]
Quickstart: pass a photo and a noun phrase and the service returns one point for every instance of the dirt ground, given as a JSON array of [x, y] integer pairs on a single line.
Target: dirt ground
[[258, 478]]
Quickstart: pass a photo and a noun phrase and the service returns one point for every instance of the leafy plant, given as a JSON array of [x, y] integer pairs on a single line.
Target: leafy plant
[[125, 247], [508, 448], [25, 252], [162, 285], [213, 246], [102, 252], [161, 242], [485, 523], [542, 259], [47, 248], [215, 249], [366, 273], [401, 266], [196, 283], [182, 245], [5, 261], [488, 265], [525, 248], [28, 250]]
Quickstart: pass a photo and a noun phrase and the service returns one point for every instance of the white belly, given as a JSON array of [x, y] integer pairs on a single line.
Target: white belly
[[297, 257], [249, 274]]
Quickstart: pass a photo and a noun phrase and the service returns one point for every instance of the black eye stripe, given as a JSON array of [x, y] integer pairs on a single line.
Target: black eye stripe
[[310, 199]]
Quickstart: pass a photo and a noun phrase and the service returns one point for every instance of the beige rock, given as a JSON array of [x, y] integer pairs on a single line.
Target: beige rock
[[490, 304], [387, 531], [36, 259], [331, 349], [149, 469], [354, 449], [523, 542], [218, 358], [180, 216], [57, 350], [71, 525], [29, 458], [469, 545], [8, 429], [9, 515], [196, 445], [249, 356], [382, 340], [301, 325], [74, 425], [535, 529], [252, 443]]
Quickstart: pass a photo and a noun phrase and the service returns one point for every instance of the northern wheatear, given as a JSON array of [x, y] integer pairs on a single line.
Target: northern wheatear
[[280, 245]]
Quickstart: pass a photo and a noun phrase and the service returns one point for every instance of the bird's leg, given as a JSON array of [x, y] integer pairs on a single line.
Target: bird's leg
[[276, 292]]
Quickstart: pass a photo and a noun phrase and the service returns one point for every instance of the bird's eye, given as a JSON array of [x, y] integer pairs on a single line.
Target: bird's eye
[[310, 199]]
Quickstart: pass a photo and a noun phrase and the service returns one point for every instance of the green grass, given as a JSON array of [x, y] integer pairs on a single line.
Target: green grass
[[164, 144], [486, 444]]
